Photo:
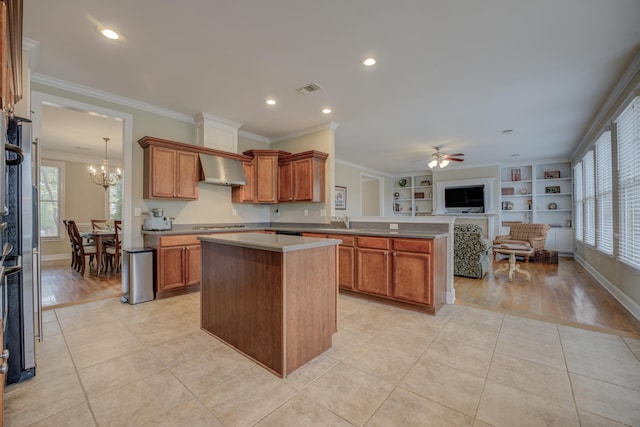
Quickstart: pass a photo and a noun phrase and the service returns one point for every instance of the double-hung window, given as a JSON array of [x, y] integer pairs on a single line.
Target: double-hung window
[[604, 194], [628, 144], [51, 199], [577, 205], [589, 201]]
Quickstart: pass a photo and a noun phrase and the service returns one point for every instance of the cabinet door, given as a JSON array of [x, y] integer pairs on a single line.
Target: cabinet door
[[266, 179], [245, 193], [193, 265], [373, 271], [188, 170], [285, 182], [171, 274], [346, 259], [163, 172], [412, 277], [303, 180]]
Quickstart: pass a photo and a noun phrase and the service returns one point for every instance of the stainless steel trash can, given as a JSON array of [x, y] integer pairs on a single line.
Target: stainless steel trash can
[[137, 275]]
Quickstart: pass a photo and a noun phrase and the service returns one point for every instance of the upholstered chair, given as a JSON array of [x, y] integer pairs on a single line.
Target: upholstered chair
[[530, 235], [470, 251]]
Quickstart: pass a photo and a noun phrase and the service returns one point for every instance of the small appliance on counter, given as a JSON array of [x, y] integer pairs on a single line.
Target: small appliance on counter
[[156, 221]]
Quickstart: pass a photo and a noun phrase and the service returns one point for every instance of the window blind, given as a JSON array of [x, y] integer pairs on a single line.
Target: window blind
[[589, 201], [604, 194], [577, 203], [628, 126]]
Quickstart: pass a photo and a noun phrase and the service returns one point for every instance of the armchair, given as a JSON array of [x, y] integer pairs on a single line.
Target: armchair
[[531, 235], [470, 251]]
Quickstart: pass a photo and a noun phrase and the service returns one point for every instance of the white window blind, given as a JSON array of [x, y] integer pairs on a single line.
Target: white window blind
[[628, 125], [604, 194], [589, 201], [577, 203]]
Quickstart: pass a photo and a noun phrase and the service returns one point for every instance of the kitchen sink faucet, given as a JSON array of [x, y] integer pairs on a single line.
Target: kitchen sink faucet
[[345, 219]]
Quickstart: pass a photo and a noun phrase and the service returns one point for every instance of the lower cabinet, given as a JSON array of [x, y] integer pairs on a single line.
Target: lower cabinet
[[373, 262], [412, 268], [178, 263], [346, 261]]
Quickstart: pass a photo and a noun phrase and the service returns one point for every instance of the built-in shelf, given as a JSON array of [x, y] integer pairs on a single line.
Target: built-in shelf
[[412, 195]]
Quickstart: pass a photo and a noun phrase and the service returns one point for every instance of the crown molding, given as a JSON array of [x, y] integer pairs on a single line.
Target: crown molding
[[65, 156], [253, 136], [363, 168], [109, 97], [201, 117], [324, 126]]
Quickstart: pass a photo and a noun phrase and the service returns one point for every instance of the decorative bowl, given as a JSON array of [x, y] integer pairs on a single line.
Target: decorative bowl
[[402, 182]]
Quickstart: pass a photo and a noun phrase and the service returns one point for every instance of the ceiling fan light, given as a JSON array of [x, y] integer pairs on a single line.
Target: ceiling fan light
[[433, 163], [444, 164]]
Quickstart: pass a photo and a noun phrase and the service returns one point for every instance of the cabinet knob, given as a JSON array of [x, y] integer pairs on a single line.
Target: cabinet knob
[[4, 368], [5, 354]]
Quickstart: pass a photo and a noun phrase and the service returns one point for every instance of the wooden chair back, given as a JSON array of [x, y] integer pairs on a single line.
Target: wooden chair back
[[98, 224]]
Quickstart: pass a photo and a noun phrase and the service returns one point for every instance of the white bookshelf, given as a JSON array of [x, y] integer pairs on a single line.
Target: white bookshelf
[[415, 197]]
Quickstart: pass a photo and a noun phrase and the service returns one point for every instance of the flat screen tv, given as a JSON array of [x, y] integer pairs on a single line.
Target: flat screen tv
[[471, 197]]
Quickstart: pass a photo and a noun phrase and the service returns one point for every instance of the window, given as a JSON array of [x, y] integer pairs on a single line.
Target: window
[[51, 199], [114, 201], [589, 200], [577, 176], [628, 125], [604, 194]]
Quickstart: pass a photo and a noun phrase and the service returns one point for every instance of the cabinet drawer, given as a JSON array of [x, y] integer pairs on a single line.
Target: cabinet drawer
[[346, 240], [373, 242], [180, 240], [305, 234], [413, 245]]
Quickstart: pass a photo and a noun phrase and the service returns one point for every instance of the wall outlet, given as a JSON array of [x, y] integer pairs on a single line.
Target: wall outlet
[[393, 226], [306, 212], [136, 212]]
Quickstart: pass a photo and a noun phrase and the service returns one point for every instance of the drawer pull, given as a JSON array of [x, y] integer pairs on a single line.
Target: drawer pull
[[5, 354], [4, 368]]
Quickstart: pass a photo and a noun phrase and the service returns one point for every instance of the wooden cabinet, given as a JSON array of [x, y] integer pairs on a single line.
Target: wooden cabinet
[[412, 268], [373, 265], [346, 261], [302, 177], [178, 264], [170, 173], [262, 178]]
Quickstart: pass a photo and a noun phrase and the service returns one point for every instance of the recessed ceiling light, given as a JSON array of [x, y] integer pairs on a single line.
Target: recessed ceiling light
[[326, 110], [507, 131], [270, 101], [369, 61], [110, 34]]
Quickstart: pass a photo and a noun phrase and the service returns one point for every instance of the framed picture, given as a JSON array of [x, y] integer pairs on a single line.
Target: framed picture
[[552, 190], [341, 197], [552, 174]]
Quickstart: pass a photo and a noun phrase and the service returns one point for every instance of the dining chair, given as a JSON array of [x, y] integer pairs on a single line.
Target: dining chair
[[113, 249], [80, 249], [98, 224], [73, 250]]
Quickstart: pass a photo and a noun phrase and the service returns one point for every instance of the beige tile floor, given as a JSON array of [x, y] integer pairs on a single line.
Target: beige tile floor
[[108, 364]]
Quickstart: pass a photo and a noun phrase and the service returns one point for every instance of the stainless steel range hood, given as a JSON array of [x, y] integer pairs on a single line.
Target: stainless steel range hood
[[222, 170]]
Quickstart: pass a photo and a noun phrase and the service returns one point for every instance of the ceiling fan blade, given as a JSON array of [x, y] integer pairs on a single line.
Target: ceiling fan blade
[[456, 155], [453, 159]]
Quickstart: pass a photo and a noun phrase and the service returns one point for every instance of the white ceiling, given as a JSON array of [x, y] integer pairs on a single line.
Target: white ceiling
[[450, 73]]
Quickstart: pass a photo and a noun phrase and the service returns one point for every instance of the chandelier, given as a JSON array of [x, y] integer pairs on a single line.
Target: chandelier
[[107, 175]]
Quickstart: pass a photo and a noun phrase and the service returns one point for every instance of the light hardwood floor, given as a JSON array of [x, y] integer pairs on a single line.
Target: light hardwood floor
[[563, 293], [61, 285]]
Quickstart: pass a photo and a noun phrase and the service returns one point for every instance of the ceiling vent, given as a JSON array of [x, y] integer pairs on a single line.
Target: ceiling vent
[[310, 88]]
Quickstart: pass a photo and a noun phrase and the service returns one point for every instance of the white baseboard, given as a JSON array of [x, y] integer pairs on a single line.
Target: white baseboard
[[451, 296], [628, 303], [55, 257]]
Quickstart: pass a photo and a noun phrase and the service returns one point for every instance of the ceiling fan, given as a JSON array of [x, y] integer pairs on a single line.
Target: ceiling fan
[[442, 160]]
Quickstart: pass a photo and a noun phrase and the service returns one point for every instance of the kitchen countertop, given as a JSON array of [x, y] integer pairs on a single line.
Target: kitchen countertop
[[234, 228], [270, 242]]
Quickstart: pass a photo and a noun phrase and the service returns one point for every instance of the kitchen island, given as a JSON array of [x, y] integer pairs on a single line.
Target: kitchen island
[[272, 297]]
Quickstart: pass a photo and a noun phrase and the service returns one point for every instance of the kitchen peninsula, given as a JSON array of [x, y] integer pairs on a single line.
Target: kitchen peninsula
[[272, 297]]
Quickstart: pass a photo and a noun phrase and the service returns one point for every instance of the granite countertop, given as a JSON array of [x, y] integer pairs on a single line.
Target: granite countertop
[[311, 228], [270, 242]]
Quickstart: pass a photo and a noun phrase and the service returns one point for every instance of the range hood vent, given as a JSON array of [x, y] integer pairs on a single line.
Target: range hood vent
[[222, 170]]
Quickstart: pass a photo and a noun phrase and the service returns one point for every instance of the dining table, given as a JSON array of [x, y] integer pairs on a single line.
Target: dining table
[[100, 237]]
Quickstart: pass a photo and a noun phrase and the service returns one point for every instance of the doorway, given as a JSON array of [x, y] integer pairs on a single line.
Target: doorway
[[371, 188], [70, 135]]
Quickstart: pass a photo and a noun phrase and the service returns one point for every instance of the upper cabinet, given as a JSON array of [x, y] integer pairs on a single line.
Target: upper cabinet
[[302, 177], [172, 169], [262, 178], [277, 176], [170, 174], [10, 53]]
